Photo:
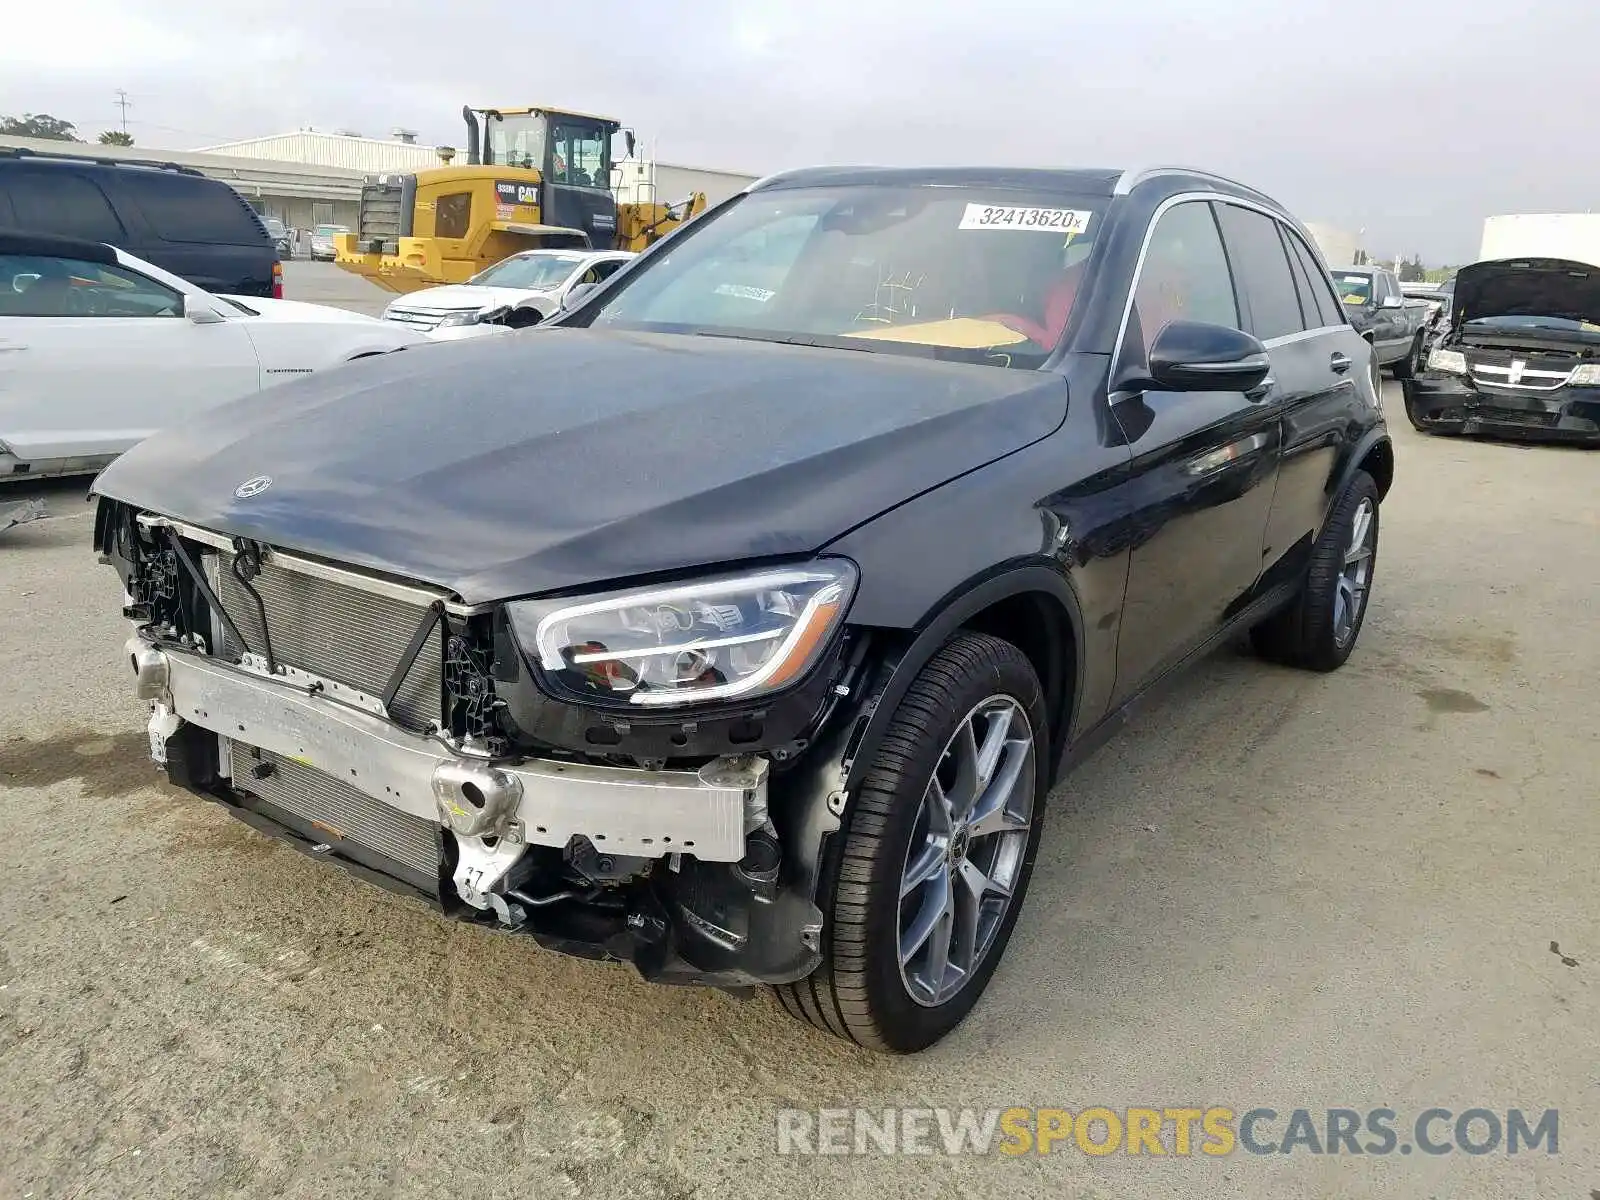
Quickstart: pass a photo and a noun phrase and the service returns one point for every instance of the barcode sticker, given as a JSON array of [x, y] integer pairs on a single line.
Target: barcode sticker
[[1003, 216]]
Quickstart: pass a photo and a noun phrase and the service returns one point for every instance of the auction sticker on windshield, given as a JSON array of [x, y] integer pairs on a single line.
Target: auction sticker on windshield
[[1004, 216]]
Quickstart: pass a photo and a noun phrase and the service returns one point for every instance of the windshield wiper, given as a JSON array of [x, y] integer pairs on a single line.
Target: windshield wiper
[[815, 340]]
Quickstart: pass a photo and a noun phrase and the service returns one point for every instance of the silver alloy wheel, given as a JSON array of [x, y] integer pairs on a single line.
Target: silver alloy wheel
[[1355, 575], [966, 851]]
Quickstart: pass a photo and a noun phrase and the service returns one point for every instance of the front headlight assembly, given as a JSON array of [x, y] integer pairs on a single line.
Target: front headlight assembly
[[470, 316], [1585, 375], [724, 638]]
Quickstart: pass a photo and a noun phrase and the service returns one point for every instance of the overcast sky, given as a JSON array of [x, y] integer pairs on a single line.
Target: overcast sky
[[1412, 120]]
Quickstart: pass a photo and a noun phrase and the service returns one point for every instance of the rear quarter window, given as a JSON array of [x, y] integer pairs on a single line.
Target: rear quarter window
[[61, 201], [183, 208]]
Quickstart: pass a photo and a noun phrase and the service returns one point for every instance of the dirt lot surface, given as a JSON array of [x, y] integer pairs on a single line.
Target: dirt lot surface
[[1376, 888]]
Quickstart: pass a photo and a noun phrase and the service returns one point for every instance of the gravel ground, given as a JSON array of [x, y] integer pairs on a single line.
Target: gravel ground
[[1274, 889]]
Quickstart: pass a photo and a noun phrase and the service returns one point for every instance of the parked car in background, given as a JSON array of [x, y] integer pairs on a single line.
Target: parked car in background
[[197, 228], [737, 623], [322, 247], [1431, 295], [1378, 309], [518, 291], [280, 235], [1437, 324], [99, 349], [1519, 356]]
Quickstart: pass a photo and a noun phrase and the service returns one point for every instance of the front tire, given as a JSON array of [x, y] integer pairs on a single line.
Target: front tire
[[1319, 629], [928, 874], [1408, 366]]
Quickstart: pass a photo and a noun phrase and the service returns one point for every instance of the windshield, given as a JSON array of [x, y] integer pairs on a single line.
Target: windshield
[[517, 141], [532, 271], [1354, 288], [978, 274]]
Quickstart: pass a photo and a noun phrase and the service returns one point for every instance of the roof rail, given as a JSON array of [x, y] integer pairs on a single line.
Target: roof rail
[[99, 159], [1132, 178]]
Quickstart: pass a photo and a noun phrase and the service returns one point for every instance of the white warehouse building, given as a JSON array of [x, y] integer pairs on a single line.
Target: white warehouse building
[[1575, 236], [635, 180], [1339, 246], [298, 193], [341, 151], [307, 178]]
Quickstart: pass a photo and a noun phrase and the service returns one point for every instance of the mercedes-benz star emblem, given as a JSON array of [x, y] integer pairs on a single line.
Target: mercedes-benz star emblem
[[253, 487]]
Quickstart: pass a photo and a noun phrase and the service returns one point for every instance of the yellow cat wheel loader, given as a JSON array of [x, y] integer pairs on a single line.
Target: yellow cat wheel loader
[[533, 177]]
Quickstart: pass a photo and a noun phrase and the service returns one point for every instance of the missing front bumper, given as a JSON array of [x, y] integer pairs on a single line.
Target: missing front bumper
[[646, 814], [694, 918]]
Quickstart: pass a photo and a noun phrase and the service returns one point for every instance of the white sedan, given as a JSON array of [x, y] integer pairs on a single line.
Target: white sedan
[[518, 291], [99, 349]]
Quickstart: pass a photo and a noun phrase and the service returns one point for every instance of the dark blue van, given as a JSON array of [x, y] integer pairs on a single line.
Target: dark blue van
[[182, 221]]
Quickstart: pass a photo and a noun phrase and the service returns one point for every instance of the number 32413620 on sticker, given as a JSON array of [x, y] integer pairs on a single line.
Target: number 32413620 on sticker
[[1005, 216]]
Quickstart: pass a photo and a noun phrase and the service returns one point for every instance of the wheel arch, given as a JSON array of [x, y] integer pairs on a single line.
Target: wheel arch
[[1032, 606], [1375, 456]]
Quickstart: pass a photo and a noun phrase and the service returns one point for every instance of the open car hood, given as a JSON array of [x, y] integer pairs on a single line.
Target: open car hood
[[1527, 287]]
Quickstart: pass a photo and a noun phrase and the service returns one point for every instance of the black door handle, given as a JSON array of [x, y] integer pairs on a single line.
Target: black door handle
[[1340, 362]]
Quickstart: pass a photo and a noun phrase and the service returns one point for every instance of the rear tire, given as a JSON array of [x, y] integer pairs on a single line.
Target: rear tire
[[1319, 629], [895, 872]]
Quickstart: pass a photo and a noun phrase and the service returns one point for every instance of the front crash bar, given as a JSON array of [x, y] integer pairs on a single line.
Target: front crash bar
[[543, 802]]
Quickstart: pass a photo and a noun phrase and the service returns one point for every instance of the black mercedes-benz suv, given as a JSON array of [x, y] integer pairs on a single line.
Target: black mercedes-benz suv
[[737, 622]]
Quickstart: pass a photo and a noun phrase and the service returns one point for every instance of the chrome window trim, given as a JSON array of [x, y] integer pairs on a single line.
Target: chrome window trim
[[1144, 249], [359, 580], [1133, 177]]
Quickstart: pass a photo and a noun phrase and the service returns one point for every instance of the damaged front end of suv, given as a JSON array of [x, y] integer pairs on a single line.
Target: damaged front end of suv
[[619, 776], [1519, 356]]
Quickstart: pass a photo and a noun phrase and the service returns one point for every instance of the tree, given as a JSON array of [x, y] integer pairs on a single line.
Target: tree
[[1412, 270], [40, 125], [116, 137]]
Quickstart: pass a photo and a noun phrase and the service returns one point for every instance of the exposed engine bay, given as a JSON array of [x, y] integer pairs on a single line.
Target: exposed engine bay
[[404, 736]]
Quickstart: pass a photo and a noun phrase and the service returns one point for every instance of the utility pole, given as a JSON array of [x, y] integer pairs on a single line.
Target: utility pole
[[124, 104]]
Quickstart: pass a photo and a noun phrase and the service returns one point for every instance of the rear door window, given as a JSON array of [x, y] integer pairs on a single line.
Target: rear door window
[[1258, 258], [183, 208], [63, 202], [1327, 304]]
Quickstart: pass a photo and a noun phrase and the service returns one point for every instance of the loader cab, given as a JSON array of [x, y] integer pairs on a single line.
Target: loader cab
[[572, 152]]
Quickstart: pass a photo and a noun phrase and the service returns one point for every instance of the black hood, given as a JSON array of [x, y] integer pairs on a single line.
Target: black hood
[[1527, 287], [559, 458]]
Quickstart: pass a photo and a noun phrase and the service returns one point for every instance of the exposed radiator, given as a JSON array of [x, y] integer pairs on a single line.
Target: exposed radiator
[[335, 809], [337, 632]]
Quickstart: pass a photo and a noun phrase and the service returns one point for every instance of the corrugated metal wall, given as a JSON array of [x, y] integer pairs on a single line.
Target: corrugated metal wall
[[367, 155]]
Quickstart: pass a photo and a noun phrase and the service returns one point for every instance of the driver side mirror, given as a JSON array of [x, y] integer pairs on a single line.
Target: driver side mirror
[[1194, 356], [1392, 302], [575, 295], [201, 313]]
